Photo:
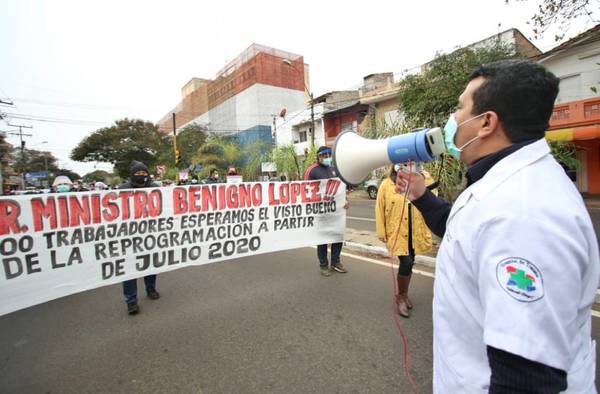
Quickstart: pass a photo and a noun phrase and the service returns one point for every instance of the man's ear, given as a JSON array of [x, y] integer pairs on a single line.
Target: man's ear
[[489, 124]]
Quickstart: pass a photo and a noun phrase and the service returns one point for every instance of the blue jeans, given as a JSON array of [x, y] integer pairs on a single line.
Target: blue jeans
[[336, 249], [130, 288]]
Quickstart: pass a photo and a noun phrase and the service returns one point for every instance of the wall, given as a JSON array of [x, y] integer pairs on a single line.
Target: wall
[[254, 106], [578, 70], [294, 122], [592, 148]]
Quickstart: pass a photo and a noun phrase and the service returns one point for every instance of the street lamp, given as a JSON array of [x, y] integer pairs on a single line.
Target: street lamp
[[312, 103]]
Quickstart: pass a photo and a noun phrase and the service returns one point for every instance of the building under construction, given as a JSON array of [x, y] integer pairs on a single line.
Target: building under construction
[[245, 95]]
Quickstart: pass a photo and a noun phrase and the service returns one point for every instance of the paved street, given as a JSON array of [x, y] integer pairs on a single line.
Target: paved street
[[263, 324], [361, 213], [268, 323]]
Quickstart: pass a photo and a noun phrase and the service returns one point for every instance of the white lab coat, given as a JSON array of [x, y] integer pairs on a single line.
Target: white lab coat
[[517, 270]]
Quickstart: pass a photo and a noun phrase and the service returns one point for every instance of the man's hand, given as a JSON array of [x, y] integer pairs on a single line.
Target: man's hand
[[415, 183], [346, 205]]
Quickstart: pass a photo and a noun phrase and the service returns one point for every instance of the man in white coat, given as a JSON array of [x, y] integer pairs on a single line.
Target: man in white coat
[[518, 267]]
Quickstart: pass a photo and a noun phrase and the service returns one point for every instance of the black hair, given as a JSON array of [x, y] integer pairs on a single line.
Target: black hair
[[521, 92]]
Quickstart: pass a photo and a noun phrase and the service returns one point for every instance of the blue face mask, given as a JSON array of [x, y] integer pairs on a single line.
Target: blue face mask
[[63, 188], [450, 130], [327, 161]]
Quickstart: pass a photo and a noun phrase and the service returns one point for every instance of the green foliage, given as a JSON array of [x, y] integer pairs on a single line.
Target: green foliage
[[189, 140], [218, 153], [73, 176], [565, 153], [126, 140], [255, 154], [5, 150], [286, 161], [97, 176], [428, 99]]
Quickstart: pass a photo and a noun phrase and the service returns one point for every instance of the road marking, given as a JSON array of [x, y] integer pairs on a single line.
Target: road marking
[[357, 218], [595, 313], [385, 264]]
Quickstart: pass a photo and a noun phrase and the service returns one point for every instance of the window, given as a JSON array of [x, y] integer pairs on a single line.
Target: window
[[302, 136], [569, 88], [348, 126]]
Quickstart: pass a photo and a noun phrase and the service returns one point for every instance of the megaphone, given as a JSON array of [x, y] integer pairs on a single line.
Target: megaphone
[[355, 157]]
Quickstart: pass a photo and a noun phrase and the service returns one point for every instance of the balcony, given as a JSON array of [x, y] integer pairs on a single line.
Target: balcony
[[576, 113], [575, 121]]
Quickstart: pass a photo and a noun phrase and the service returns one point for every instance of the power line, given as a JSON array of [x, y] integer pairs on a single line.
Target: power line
[[37, 118]]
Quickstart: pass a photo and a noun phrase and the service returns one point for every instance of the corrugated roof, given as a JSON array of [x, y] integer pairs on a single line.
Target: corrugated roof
[[586, 37]]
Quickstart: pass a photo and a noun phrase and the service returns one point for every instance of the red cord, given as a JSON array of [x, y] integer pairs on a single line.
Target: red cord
[[394, 314]]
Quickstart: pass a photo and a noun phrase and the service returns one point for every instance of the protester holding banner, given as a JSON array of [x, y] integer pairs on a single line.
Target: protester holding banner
[[323, 169], [140, 177], [404, 237], [62, 184], [213, 177]]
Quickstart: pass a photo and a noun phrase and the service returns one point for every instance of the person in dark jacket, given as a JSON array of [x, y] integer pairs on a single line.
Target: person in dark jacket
[[213, 177], [323, 169], [139, 178]]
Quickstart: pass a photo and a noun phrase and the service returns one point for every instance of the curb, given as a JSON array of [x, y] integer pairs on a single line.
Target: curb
[[383, 252], [424, 260]]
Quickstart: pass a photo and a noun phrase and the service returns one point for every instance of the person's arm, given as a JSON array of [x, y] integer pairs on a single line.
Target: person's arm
[[435, 211], [514, 374], [529, 281]]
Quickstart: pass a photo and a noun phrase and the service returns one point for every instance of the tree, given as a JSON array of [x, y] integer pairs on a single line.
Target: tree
[[219, 153], [189, 140], [255, 154], [560, 14], [286, 161], [5, 150], [97, 176], [126, 140], [72, 175], [427, 99]]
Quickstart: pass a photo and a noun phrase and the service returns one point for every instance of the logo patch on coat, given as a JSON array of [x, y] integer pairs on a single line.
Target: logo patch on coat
[[521, 279]]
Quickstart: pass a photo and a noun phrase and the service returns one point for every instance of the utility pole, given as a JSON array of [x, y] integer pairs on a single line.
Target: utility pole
[[21, 127], [312, 121], [175, 150]]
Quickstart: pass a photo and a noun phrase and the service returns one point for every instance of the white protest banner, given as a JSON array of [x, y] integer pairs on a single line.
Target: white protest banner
[[54, 245]]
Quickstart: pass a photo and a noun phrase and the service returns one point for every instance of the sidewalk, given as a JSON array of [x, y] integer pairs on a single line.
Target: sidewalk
[[366, 242]]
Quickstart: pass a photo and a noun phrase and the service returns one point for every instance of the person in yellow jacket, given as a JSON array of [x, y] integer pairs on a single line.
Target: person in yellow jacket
[[414, 237]]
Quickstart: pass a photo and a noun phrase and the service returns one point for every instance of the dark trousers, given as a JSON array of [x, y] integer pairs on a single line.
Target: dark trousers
[[407, 262], [336, 249], [406, 265], [130, 288]]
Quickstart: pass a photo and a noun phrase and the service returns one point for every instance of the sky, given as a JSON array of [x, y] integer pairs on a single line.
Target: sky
[[77, 66]]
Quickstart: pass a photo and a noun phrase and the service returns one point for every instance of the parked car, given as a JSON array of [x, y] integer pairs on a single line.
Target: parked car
[[372, 186]]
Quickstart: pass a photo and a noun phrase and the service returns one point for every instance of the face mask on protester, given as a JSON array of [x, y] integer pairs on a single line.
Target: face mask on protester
[[327, 161], [450, 130], [63, 188], [194, 181], [139, 179]]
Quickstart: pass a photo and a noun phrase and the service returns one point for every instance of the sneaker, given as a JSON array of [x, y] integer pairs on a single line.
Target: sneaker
[[338, 267], [133, 308], [325, 271], [153, 294]]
